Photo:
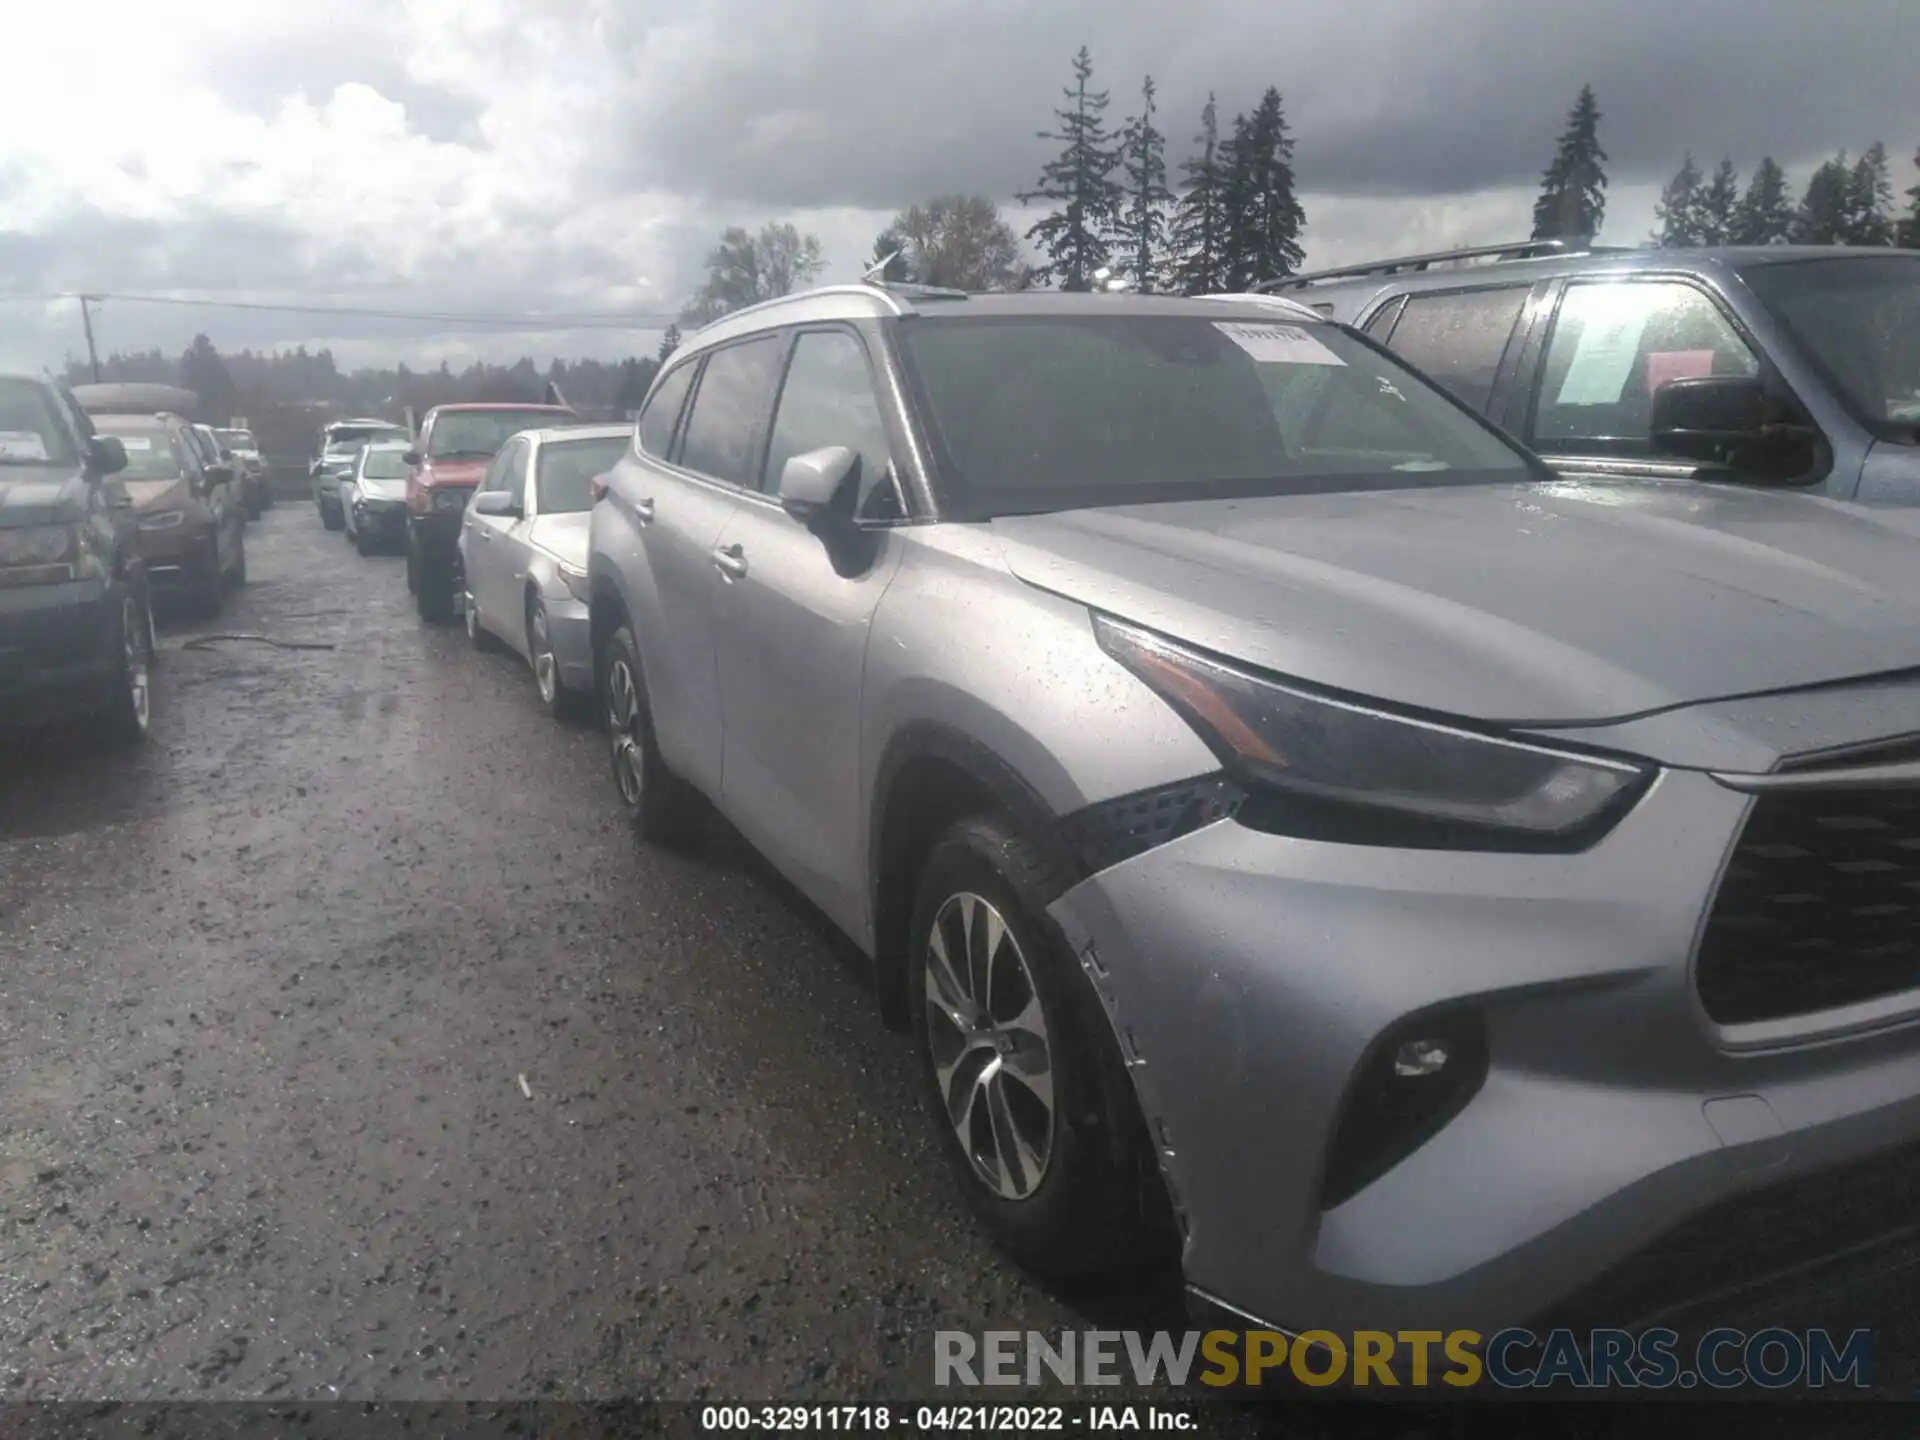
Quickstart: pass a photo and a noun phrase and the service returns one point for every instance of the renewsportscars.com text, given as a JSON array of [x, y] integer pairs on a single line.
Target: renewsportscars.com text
[[1602, 1359]]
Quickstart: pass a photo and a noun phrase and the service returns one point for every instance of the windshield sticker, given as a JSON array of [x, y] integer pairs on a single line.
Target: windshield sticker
[[22, 445], [1278, 344], [1665, 365]]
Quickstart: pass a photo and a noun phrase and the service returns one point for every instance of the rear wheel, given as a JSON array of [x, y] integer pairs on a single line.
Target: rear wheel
[[209, 583], [1024, 1080], [362, 543], [659, 804], [126, 717]]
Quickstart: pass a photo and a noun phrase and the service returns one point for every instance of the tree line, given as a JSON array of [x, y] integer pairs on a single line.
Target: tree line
[[1845, 203]]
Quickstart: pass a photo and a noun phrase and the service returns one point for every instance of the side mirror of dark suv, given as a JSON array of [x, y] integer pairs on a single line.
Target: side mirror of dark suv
[[1731, 420]]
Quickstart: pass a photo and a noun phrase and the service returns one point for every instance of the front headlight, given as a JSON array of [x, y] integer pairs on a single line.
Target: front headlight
[[1337, 770], [575, 579], [163, 520], [449, 500], [40, 545]]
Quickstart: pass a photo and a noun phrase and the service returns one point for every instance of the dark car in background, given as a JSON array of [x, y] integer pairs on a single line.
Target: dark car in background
[[76, 626], [252, 467], [1779, 364], [190, 518], [457, 444]]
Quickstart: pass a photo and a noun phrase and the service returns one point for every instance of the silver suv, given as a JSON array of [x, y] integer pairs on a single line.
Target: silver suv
[[1298, 828]]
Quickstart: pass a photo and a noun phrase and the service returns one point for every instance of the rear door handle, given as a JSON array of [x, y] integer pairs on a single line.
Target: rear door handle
[[730, 561], [643, 512]]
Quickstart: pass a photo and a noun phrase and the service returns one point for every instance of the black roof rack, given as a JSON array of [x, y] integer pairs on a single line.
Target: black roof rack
[[1519, 250]]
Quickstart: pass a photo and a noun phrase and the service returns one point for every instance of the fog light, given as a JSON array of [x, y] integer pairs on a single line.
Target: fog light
[[1420, 1057]]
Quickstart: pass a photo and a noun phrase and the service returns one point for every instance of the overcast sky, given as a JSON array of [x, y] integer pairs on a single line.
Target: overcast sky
[[572, 157]]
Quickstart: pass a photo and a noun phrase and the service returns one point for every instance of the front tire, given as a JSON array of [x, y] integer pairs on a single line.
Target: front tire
[[660, 806], [331, 516], [432, 585], [1024, 1081], [236, 575], [126, 717], [559, 702]]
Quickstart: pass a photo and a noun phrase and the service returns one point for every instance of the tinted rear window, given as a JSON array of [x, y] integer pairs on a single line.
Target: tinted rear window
[[1052, 413], [1458, 338], [567, 469]]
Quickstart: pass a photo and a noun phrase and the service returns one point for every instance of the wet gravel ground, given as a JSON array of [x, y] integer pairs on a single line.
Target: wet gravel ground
[[267, 991]]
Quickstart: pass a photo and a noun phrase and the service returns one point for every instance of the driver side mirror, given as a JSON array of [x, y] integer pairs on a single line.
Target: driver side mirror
[[412, 457], [1729, 420], [107, 454], [496, 502], [816, 487]]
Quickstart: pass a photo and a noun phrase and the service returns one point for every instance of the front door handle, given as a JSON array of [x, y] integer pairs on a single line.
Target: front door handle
[[730, 561], [643, 512]]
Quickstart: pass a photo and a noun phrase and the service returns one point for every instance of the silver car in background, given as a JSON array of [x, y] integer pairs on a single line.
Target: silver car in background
[[523, 551], [1300, 829], [373, 497]]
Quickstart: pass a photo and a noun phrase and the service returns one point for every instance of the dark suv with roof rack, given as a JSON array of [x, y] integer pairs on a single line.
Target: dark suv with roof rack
[[1792, 365]]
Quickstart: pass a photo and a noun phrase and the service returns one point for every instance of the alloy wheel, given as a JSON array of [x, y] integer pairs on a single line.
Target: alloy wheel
[[623, 724], [991, 1049], [546, 670], [136, 635]]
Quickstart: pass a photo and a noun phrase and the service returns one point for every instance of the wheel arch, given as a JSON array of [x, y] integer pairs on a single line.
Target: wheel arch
[[930, 776]]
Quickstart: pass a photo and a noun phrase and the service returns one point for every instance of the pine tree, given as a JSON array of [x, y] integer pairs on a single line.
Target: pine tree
[[1079, 182], [1870, 199], [1197, 225], [1910, 226], [1262, 214], [1677, 211], [1140, 237], [1765, 213], [1826, 209], [1573, 199], [669, 343], [1719, 204]]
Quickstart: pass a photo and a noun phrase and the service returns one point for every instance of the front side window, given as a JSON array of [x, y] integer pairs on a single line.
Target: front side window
[[1859, 318], [658, 420], [30, 429], [1459, 337], [730, 410], [567, 470], [513, 471], [478, 434], [1613, 344], [1042, 413], [827, 399]]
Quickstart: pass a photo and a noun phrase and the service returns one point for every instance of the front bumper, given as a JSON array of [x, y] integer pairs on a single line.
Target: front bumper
[[178, 555], [437, 533], [58, 648], [383, 520], [1249, 975], [571, 630]]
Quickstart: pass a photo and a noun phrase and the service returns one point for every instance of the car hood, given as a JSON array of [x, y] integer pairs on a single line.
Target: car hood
[[1549, 603], [564, 536], [152, 495], [453, 472], [40, 495]]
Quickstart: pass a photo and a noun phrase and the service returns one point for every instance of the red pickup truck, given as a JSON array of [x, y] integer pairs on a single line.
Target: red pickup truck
[[456, 446]]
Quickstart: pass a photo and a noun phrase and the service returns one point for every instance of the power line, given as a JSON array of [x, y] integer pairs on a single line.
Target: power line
[[592, 320]]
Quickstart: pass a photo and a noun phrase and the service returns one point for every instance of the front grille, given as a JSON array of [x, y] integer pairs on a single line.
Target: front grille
[[1792, 1237], [1820, 907]]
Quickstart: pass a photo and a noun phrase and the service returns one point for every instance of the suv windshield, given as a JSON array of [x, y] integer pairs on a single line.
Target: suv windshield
[[480, 433], [384, 463], [30, 430], [567, 468], [1860, 320], [236, 439], [1039, 413]]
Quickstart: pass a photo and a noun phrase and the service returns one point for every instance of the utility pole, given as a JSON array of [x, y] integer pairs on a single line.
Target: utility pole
[[86, 319]]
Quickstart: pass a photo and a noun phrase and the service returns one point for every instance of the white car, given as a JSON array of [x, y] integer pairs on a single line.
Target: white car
[[373, 497], [523, 553]]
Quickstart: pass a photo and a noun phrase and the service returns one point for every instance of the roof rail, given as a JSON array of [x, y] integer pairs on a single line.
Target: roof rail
[[1518, 250], [1277, 302]]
